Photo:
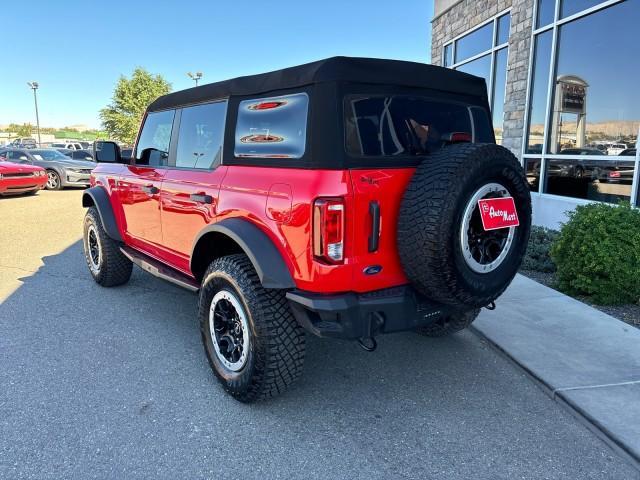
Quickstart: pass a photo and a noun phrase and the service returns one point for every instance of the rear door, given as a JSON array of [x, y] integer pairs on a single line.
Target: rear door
[[386, 136], [139, 186], [191, 185]]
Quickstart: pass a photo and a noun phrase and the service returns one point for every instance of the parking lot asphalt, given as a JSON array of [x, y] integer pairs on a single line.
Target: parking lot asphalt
[[113, 383]]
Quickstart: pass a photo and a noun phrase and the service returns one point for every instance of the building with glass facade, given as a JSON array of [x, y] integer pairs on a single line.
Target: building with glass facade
[[563, 78]]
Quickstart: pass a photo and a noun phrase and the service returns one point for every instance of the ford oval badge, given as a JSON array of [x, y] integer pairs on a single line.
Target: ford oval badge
[[372, 269]]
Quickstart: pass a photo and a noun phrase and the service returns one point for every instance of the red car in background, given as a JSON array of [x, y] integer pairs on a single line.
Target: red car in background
[[17, 178]]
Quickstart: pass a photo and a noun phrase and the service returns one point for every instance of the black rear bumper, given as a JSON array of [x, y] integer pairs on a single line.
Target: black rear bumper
[[353, 315]]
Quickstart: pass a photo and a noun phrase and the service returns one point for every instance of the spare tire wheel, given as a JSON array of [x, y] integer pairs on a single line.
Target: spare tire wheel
[[444, 249]]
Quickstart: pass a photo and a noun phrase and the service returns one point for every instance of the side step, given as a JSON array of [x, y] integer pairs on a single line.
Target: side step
[[160, 270]]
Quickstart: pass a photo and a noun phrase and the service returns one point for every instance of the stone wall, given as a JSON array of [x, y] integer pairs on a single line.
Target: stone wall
[[467, 14]]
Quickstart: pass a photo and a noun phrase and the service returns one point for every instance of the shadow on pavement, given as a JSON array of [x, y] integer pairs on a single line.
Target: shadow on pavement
[[114, 383]]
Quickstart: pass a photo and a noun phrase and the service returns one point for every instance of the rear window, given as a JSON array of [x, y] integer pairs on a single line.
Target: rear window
[[387, 126], [272, 127]]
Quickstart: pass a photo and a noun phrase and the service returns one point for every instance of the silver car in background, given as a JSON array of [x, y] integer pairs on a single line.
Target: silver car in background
[[62, 171]]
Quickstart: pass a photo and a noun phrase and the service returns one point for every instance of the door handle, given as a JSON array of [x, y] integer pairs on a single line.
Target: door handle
[[374, 239], [201, 198], [151, 189]]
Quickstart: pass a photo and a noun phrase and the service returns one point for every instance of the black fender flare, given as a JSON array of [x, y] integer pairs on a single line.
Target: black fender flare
[[263, 254], [97, 196]]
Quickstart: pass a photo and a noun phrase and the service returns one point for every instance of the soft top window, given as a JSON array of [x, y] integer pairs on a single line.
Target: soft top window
[[394, 125], [272, 127]]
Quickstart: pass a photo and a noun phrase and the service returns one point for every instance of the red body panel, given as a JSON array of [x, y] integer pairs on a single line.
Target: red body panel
[[19, 178], [277, 200]]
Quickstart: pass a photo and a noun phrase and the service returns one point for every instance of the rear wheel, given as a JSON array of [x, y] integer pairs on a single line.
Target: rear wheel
[[254, 345], [108, 265]]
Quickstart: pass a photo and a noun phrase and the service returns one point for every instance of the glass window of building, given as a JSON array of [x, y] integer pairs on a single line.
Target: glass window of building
[[480, 67], [504, 23], [546, 12], [538, 95], [447, 54], [475, 42], [570, 7], [483, 53], [499, 84], [589, 102]]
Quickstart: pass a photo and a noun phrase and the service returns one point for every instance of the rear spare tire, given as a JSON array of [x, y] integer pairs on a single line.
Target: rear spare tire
[[444, 250]]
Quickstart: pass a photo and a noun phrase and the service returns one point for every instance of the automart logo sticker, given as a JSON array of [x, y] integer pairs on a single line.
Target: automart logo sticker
[[498, 213]]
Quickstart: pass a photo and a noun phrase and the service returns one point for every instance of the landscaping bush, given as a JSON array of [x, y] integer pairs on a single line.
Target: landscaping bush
[[537, 257], [598, 253]]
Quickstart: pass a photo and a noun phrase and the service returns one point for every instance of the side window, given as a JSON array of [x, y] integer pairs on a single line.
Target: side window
[[273, 127], [200, 136], [153, 145]]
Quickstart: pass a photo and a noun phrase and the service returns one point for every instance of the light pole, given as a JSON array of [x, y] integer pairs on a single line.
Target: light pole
[[34, 86], [195, 76]]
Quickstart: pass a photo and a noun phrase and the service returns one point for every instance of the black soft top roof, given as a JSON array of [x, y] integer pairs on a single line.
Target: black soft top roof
[[334, 69]]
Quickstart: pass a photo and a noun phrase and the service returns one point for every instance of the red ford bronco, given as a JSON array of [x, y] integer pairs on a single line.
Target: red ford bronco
[[345, 198]]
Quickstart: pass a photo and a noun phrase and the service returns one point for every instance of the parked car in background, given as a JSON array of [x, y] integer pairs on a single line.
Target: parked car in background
[[581, 151], [23, 143], [67, 145], [616, 148], [62, 171], [629, 152], [623, 171], [85, 145], [577, 168], [16, 178]]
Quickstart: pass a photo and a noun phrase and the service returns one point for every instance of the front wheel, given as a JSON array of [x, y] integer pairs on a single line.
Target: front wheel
[[108, 265], [53, 180], [254, 345]]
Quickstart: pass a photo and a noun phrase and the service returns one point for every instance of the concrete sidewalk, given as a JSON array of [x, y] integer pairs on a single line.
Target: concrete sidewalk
[[584, 358]]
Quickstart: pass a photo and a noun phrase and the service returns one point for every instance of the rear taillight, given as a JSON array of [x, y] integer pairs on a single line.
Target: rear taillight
[[614, 174], [328, 229]]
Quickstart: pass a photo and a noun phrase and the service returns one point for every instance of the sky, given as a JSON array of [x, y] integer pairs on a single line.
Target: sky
[[77, 49]]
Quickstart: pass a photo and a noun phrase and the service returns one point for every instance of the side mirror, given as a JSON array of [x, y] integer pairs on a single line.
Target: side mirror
[[106, 152]]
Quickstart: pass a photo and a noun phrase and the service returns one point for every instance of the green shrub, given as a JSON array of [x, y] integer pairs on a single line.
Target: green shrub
[[598, 253], [537, 257]]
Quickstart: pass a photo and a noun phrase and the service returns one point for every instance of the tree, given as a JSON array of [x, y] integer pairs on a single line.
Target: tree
[[24, 130], [121, 118]]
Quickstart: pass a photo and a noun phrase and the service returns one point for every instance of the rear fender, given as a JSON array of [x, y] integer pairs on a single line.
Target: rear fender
[[265, 257]]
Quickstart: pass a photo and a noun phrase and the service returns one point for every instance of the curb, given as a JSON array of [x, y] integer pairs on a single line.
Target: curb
[[580, 414]]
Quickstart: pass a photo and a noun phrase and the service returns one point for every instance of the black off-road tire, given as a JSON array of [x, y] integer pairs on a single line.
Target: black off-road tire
[[113, 267], [277, 342], [431, 219], [449, 325]]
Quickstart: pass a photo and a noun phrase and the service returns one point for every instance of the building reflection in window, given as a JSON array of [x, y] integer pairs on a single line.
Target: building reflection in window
[[596, 97]]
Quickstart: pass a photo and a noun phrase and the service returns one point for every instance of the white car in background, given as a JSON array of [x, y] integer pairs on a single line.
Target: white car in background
[[616, 148], [67, 145]]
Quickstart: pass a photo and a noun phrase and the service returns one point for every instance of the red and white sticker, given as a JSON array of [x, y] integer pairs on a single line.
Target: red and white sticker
[[498, 213]]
